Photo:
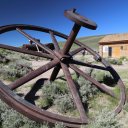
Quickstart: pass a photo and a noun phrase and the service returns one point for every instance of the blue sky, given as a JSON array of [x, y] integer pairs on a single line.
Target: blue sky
[[110, 15]]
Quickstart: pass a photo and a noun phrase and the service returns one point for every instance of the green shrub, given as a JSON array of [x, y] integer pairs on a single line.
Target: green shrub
[[87, 90], [98, 75], [15, 70], [46, 102], [11, 55], [3, 108], [55, 88], [104, 119], [25, 57], [52, 91], [4, 60], [13, 65], [57, 125], [9, 118], [30, 57], [126, 107], [64, 103], [124, 58], [103, 77], [13, 119], [5, 52], [115, 61], [60, 96]]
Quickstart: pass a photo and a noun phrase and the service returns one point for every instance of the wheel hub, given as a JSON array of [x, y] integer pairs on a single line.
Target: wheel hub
[[62, 57]]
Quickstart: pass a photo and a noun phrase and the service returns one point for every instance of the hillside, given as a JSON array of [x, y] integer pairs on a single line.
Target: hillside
[[91, 41]]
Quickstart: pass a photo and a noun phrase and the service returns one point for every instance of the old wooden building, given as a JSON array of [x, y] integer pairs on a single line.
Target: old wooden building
[[114, 46]]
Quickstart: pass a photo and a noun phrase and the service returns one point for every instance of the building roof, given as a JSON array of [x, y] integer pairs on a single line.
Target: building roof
[[114, 38]]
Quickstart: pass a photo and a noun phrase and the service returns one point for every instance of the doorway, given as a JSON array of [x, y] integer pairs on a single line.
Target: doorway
[[109, 51]]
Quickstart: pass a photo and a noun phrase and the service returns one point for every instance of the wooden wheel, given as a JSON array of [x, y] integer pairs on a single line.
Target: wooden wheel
[[59, 59]]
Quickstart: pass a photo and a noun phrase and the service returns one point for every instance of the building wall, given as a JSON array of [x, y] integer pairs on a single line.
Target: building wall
[[113, 50]]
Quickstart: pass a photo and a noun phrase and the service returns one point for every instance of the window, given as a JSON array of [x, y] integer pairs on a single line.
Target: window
[[105, 48]]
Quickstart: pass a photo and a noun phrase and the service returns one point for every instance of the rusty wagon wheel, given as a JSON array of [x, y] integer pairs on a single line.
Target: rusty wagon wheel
[[59, 59]]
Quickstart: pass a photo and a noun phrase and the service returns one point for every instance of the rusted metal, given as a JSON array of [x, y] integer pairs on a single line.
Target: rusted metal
[[87, 65], [74, 93], [60, 58], [34, 47], [71, 38], [72, 53], [56, 45], [78, 19], [55, 72]]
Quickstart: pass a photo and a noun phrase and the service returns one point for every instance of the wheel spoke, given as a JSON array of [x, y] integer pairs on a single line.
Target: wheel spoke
[[32, 75], [75, 93], [35, 41], [20, 50], [96, 83], [55, 73], [87, 65], [57, 48], [72, 53]]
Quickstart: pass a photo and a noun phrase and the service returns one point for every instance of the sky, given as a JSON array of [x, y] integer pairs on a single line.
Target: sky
[[111, 16]]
